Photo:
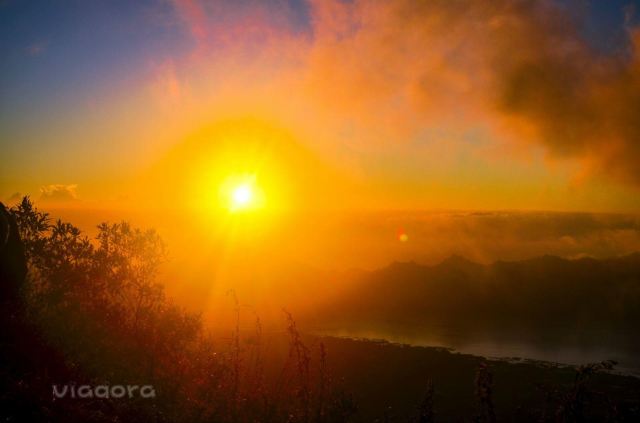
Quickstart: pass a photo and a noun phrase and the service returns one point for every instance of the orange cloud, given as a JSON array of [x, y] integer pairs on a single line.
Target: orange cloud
[[521, 68], [58, 193], [370, 79]]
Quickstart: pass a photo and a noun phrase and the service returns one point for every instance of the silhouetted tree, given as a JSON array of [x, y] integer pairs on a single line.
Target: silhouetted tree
[[97, 305]]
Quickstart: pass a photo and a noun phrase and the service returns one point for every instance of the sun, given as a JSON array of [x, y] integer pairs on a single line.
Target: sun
[[242, 197], [242, 193]]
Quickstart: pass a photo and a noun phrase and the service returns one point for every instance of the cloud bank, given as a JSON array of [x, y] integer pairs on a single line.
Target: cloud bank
[[377, 74], [58, 193]]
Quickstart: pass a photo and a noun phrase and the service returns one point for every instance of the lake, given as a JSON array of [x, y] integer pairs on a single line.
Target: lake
[[561, 345]]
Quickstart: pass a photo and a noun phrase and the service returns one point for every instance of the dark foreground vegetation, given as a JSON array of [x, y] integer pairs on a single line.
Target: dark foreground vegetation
[[89, 312]]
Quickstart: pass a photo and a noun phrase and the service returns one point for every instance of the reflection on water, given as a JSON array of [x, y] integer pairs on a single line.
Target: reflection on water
[[557, 346]]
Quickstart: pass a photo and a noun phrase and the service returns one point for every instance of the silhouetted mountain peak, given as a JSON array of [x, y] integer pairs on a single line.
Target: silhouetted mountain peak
[[404, 265], [456, 261], [630, 258]]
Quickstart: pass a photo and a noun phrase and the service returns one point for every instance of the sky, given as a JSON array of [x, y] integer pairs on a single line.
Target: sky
[[386, 105]]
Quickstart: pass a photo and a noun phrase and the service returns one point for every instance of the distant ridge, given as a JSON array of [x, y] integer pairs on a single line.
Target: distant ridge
[[456, 260], [540, 292]]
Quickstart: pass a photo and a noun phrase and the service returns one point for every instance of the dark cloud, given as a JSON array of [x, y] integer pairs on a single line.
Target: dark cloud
[[523, 68], [578, 101]]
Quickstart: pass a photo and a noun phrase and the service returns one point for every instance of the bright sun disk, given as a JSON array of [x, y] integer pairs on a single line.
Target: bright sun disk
[[242, 197]]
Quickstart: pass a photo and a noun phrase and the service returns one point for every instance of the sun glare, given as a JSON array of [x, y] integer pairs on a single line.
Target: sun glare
[[241, 197], [242, 193]]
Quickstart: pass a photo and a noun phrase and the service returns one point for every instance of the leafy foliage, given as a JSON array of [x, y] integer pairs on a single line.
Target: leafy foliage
[[98, 303]]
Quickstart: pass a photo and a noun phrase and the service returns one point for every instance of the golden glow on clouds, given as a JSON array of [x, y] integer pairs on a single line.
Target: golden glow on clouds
[[507, 108]]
